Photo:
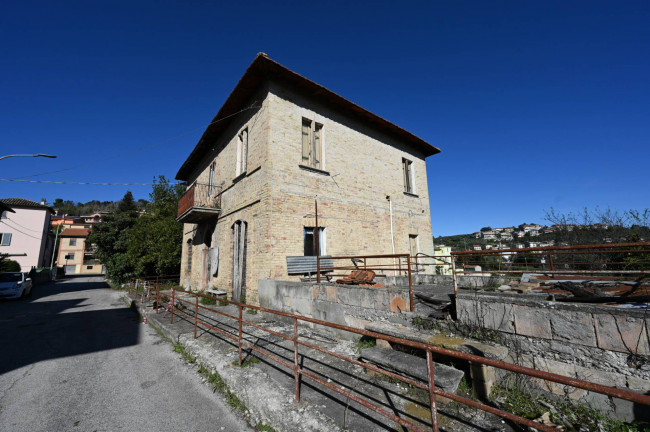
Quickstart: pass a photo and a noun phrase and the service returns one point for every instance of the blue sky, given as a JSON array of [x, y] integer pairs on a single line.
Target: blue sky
[[534, 104]]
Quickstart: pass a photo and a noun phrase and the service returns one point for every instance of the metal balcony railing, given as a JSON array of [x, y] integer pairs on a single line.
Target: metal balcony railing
[[200, 201]]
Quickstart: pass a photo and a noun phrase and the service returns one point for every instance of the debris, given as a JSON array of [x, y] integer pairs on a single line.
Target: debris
[[358, 277]]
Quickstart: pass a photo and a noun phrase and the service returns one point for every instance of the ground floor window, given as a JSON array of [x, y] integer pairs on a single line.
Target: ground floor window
[[310, 241]]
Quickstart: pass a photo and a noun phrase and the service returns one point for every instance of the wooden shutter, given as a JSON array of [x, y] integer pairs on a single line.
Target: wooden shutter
[[306, 128], [317, 145], [244, 150]]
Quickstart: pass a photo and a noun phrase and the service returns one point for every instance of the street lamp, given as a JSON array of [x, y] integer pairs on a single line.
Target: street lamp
[[29, 155]]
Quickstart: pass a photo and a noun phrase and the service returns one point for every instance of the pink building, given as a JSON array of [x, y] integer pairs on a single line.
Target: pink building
[[24, 234]]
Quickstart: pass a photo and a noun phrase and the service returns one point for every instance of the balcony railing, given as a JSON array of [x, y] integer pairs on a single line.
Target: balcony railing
[[200, 202]]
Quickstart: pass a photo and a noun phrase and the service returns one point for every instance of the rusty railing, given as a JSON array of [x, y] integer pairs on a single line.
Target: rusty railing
[[200, 195], [401, 264], [429, 386]]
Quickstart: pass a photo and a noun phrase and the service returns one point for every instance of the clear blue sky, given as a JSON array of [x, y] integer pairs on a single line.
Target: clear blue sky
[[534, 104]]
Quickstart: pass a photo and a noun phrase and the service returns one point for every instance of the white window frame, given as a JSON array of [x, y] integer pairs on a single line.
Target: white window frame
[[72, 242], [242, 152], [5, 239], [211, 173]]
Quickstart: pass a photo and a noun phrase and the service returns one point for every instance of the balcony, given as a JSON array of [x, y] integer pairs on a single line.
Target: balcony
[[199, 203]]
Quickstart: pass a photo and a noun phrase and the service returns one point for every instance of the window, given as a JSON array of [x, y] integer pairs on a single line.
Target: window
[[73, 242], [89, 267], [5, 239], [312, 143], [4, 215], [242, 152], [211, 187], [310, 241], [407, 168]]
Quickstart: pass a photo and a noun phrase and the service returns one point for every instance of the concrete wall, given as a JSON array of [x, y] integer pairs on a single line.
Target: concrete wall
[[602, 344], [352, 306]]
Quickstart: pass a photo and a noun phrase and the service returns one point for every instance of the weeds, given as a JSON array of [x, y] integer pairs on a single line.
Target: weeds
[[250, 361], [366, 342], [251, 311], [264, 428], [179, 348], [208, 301]]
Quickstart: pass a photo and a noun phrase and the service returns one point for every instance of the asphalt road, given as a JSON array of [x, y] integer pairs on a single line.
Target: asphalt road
[[75, 358]]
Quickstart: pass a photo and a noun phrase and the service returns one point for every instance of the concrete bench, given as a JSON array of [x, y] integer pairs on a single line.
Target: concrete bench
[[217, 293]]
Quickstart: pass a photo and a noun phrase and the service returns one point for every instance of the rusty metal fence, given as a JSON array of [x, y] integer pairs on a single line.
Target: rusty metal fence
[[612, 261], [398, 264], [190, 310]]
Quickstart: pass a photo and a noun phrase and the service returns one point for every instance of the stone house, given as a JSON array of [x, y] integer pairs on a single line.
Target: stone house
[[279, 145]]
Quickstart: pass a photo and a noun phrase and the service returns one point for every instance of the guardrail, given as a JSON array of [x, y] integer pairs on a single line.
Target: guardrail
[[401, 263], [298, 372]]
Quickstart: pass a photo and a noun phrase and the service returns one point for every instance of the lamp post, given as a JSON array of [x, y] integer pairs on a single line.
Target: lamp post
[[29, 155]]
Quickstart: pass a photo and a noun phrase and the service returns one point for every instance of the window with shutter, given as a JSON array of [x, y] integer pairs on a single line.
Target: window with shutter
[[312, 144]]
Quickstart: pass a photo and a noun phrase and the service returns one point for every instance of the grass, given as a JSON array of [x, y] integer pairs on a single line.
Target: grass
[[572, 415], [208, 301], [179, 348], [264, 428], [218, 385], [250, 361], [366, 342], [251, 311]]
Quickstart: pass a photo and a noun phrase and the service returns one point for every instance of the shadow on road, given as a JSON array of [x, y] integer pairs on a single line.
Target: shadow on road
[[42, 329]]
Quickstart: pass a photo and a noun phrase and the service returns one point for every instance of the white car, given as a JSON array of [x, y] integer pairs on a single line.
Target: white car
[[15, 285]]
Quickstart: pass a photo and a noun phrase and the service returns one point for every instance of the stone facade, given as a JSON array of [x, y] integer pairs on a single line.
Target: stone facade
[[359, 178]]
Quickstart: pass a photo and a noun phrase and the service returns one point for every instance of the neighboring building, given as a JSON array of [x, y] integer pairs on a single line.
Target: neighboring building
[[443, 263], [254, 178], [477, 247], [24, 233], [489, 235], [75, 255]]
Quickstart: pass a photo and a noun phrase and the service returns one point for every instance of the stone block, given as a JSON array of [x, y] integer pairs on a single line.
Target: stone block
[[330, 292], [533, 322], [610, 379], [573, 327], [621, 333], [560, 368], [398, 303], [638, 385], [498, 316]]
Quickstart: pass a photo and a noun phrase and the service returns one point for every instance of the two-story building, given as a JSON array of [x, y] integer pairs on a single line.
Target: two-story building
[[280, 145], [24, 232]]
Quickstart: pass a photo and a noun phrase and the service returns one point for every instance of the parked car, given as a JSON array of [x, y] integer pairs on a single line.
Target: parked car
[[15, 285]]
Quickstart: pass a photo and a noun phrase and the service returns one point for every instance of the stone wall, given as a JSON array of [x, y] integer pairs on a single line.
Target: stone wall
[[601, 344], [352, 306]]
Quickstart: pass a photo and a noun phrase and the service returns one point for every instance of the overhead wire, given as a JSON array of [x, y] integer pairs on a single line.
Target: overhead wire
[[157, 143], [85, 183], [24, 233]]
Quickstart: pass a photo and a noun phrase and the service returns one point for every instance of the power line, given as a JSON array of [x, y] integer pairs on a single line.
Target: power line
[[157, 143], [14, 228], [85, 183], [23, 227]]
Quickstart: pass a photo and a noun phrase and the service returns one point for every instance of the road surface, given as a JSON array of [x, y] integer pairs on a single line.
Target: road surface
[[75, 358]]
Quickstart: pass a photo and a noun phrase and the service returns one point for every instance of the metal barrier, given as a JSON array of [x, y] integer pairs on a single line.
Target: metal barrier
[[430, 350], [602, 261], [401, 264]]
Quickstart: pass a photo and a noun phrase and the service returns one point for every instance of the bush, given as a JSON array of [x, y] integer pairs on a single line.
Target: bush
[[9, 266]]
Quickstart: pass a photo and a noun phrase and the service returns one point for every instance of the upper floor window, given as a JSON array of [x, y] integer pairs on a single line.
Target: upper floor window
[[407, 169], [242, 151], [5, 239], [312, 143], [73, 242], [4, 215], [309, 241]]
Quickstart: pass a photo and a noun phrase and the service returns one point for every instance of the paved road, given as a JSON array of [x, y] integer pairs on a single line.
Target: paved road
[[74, 358]]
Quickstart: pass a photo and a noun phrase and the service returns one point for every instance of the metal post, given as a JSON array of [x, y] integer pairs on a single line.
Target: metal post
[[196, 313], [410, 283], [453, 274], [296, 374], [157, 299], [317, 269], [317, 242], [173, 305], [240, 332], [432, 395], [550, 263]]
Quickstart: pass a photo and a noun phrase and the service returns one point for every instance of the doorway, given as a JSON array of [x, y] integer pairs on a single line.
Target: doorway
[[239, 234]]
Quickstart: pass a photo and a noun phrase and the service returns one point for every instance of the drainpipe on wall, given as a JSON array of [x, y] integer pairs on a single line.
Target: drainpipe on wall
[[392, 233]]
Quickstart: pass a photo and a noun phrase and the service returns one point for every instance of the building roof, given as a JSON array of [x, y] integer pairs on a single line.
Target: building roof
[[25, 203], [75, 232], [263, 69], [4, 207]]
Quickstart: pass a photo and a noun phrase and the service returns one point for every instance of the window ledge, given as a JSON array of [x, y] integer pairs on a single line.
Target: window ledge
[[411, 194], [314, 170]]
